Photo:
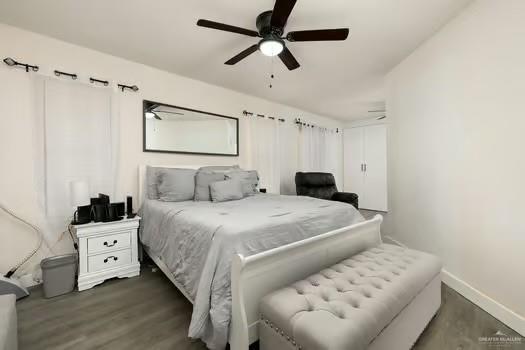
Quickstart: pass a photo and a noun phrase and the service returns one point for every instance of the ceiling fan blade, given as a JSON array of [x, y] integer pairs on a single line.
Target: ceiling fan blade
[[242, 55], [288, 59], [281, 12], [318, 35], [226, 27], [170, 112]]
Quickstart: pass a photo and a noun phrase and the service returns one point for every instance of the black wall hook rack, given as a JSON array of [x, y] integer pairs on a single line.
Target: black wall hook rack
[[134, 88], [71, 75], [93, 80], [12, 63]]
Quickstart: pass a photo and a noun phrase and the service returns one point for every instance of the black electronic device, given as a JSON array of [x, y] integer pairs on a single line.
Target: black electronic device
[[129, 205], [104, 198], [99, 212], [95, 200], [112, 212], [82, 215], [120, 208]]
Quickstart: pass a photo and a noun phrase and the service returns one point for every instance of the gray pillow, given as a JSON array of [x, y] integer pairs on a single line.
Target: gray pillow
[[202, 184], [176, 185], [219, 168], [227, 190], [152, 182], [248, 178]]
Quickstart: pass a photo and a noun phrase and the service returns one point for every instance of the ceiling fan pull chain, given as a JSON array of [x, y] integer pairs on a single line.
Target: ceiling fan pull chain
[[271, 72]]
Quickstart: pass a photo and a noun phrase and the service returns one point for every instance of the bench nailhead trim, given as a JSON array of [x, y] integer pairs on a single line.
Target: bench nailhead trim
[[281, 332]]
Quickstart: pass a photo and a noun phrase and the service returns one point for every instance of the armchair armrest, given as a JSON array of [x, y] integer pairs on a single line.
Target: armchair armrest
[[347, 197]]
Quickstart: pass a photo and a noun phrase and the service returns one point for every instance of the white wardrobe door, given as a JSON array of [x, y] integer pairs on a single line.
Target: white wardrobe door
[[353, 160], [375, 184]]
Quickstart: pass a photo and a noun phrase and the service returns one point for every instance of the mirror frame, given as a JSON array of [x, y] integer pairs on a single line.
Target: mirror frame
[[145, 103]]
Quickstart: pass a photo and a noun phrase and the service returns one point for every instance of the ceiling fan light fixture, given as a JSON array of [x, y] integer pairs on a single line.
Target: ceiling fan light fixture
[[271, 46]]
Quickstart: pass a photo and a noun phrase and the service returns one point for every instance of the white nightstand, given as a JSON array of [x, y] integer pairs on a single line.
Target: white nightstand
[[107, 250]]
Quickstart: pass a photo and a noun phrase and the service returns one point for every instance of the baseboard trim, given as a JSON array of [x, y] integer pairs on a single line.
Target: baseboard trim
[[499, 311]]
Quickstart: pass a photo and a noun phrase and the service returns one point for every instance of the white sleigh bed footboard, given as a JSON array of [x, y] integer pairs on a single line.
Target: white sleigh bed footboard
[[255, 276]]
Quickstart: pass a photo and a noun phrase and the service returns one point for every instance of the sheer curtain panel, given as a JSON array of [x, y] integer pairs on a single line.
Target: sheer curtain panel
[[76, 140], [320, 150], [264, 151]]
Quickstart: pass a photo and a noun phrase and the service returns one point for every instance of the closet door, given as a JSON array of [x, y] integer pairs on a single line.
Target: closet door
[[375, 182], [353, 161]]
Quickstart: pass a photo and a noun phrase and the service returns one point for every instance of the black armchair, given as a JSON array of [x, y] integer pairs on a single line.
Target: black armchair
[[322, 186]]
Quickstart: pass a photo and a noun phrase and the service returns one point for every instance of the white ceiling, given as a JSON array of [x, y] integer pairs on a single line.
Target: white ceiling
[[336, 79]]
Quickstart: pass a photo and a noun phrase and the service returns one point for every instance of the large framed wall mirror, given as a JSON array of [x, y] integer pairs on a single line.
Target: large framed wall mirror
[[172, 129]]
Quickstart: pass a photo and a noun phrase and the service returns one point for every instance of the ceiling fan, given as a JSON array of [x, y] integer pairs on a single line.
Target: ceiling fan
[[270, 27]]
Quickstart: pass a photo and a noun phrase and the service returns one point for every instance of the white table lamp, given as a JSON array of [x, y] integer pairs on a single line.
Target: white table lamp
[[79, 193]]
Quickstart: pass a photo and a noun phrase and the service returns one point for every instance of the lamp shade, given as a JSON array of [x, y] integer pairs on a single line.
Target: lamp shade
[[79, 193]]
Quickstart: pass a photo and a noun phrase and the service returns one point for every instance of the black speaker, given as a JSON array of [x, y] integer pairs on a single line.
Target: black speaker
[[129, 207]]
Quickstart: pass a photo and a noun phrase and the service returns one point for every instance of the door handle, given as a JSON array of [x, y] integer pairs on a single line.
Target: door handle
[[362, 167], [365, 167]]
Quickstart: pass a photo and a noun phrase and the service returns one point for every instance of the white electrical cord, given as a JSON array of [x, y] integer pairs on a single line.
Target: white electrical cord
[[35, 249]]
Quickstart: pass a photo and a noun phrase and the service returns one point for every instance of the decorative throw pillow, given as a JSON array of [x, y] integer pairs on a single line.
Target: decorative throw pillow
[[176, 185], [248, 178], [202, 184], [152, 182], [227, 190]]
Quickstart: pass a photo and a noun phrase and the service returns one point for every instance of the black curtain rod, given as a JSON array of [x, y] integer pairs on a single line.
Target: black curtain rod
[[93, 80], [12, 63], [71, 75], [246, 114], [298, 121], [134, 88]]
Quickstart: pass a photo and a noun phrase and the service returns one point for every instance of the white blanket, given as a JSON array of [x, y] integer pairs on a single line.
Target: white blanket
[[197, 240]]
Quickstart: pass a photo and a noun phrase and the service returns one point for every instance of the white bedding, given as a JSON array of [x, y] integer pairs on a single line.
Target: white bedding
[[197, 240]]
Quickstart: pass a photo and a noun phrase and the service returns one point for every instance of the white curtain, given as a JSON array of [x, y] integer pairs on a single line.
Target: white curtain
[[320, 150], [76, 139], [264, 151]]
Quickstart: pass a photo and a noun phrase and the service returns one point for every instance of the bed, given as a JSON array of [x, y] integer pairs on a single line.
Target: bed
[[225, 256]]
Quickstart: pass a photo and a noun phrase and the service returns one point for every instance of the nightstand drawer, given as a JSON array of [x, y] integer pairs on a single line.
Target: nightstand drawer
[[109, 260], [108, 243]]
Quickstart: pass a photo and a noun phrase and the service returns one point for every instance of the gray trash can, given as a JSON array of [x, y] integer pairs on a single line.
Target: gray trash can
[[58, 273]]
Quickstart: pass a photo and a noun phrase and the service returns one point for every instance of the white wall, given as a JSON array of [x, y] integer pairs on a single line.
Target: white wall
[[457, 163], [156, 85]]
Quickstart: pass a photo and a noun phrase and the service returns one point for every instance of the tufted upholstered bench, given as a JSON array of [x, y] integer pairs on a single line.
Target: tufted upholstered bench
[[381, 298]]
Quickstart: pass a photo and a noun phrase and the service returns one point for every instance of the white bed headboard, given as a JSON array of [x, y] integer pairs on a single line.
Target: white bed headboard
[[142, 177]]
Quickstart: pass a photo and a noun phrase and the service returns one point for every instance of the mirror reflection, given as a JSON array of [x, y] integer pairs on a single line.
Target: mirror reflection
[[183, 130]]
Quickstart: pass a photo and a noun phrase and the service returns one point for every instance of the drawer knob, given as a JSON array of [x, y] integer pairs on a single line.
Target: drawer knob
[[110, 245], [110, 257]]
